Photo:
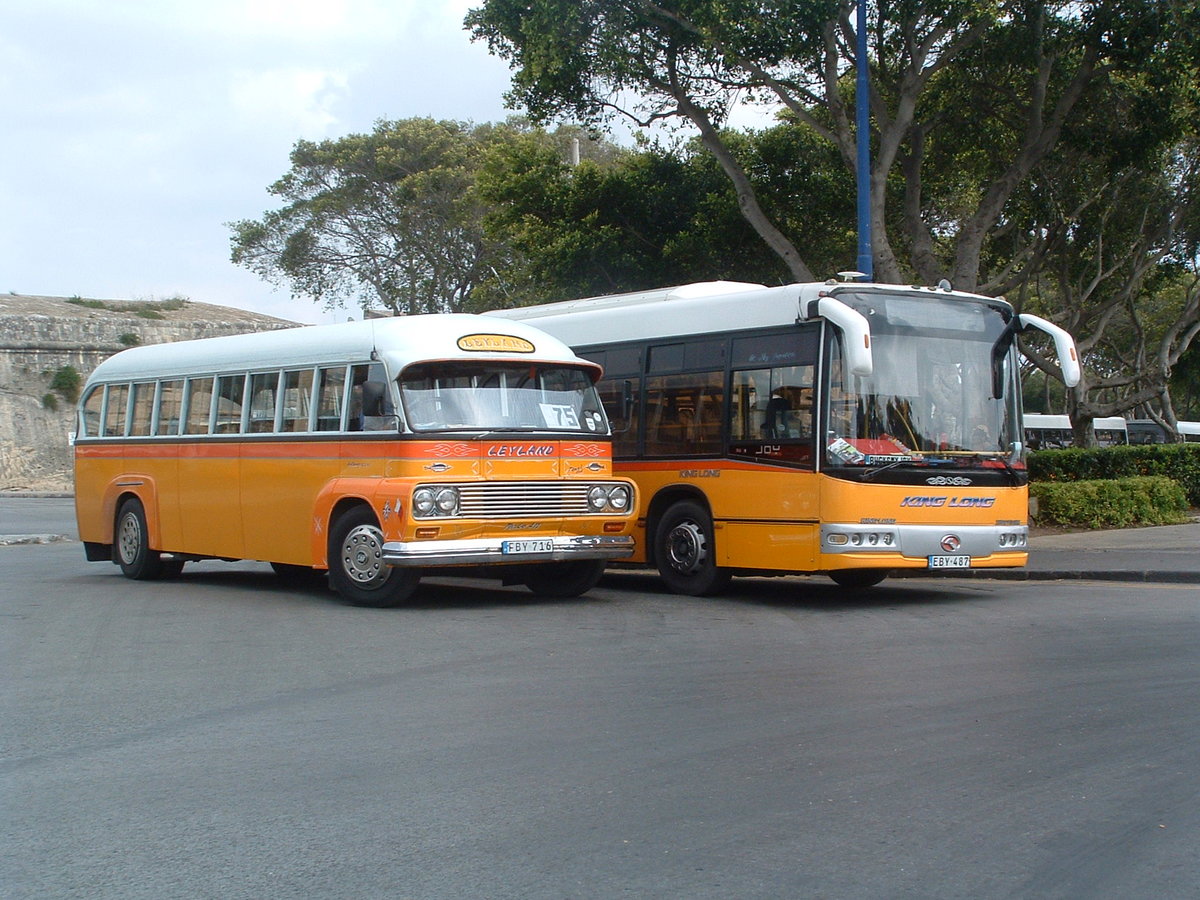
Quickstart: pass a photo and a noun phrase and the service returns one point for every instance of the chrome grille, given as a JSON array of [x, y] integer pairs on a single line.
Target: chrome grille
[[511, 500]]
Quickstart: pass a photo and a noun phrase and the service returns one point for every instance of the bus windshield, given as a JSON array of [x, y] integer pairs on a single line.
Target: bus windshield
[[931, 396], [497, 396]]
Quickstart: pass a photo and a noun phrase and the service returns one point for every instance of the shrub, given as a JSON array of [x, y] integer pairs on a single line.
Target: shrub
[[1111, 503], [50, 402], [66, 382], [1179, 462], [129, 339]]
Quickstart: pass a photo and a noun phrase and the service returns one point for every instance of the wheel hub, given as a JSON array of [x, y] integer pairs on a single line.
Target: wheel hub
[[130, 539], [362, 555], [685, 546]]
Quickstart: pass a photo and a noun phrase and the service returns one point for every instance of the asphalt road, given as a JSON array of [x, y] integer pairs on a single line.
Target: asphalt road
[[222, 736]]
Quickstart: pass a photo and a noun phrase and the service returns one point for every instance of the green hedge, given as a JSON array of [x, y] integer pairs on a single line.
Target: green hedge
[[1111, 503], [1179, 462]]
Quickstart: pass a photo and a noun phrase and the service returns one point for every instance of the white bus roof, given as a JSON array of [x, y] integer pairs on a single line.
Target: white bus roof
[[1042, 420], [397, 342], [700, 308], [1188, 427]]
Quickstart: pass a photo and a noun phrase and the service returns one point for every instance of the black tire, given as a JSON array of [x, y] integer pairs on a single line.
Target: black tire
[[565, 579], [356, 568], [292, 575], [858, 579], [685, 551], [131, 544]]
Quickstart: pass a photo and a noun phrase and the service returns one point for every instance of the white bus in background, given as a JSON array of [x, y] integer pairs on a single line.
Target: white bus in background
[[1053, 432]]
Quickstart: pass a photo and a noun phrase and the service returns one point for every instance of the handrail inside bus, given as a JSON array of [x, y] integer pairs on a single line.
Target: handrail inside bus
[[1064, 346], [854, 327]]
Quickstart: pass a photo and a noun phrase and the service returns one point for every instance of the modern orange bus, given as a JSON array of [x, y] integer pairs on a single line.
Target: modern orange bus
[[372, 450], [843, 428]]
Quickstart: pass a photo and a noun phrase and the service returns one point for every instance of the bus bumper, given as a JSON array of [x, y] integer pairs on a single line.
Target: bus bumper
[[907, 546], [511, 550]]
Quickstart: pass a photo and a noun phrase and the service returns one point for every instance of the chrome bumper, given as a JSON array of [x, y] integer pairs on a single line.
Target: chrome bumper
[[918, 541], [491, 550]]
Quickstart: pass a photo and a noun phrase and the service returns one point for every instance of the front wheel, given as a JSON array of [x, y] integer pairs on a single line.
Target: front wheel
[[565, 579], [356, 568], [685, 551], [131, 550]]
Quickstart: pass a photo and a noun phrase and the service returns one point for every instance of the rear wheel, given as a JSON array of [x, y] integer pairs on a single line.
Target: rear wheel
[[856, 579], [685, 551], [131, 549], [565, 579], [356, 568]]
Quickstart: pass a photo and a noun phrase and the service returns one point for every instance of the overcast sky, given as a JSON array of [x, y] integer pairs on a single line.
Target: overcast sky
[[133, 130]]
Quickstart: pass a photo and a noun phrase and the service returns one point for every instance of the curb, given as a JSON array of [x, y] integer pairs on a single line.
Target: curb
[[1057, 575]]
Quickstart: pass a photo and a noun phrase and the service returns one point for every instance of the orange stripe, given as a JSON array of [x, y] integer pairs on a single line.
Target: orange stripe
[[416, 451]]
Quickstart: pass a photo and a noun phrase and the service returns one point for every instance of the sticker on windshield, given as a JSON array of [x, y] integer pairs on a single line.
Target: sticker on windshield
[[846, 451], [559, 416]]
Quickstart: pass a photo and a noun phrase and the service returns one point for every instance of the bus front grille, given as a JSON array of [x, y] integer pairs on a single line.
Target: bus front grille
[[510, 500]]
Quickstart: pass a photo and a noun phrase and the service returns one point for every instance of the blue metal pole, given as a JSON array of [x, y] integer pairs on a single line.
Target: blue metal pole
[[866, 262]]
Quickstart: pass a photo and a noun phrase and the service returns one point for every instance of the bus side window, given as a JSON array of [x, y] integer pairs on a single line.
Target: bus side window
[[89, 418], [331, 392], [297, 397], [231, 389], [143, 407], [263, 388], [625, 433], [199, 405], [114, 410], [683, 414], [371, 407], [170, 401]]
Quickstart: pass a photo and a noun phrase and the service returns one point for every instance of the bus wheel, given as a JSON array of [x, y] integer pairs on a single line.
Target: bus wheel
[[856, 579], [565, 579], [685, 551], [131, 550], [356, 567]]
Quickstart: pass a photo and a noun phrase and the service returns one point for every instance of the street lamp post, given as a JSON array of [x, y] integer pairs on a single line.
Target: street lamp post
[[866, 263]]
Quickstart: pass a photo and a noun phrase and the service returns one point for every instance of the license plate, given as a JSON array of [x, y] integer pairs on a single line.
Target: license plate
[[949, 562], [527, 546]]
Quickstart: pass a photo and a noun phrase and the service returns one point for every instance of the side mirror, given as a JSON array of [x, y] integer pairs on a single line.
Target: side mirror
[[1064, 346]]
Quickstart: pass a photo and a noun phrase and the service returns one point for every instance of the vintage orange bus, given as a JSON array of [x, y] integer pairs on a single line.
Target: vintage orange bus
[[372, 450], [840, 428]]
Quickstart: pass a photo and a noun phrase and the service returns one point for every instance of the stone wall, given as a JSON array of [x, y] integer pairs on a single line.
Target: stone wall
[[40, 335]]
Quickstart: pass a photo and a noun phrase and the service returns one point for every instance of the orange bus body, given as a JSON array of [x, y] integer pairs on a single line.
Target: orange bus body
[[536, 500]]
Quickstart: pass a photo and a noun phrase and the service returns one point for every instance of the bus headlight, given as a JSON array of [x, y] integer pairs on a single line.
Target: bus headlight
[[618, 498], [433, 501], [609, 498], [423, 501], [598, 497], [447, 501]]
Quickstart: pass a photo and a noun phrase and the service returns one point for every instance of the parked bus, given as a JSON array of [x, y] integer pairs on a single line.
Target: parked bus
[[840, 428], [372, 450], [1147, 431], [1054, 432]]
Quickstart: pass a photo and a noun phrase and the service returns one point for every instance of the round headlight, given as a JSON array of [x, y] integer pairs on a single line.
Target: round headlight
[[618, 497], [423, 501], [447, 500], [598, 497]]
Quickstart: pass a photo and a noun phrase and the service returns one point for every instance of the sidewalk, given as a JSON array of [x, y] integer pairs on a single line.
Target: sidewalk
[[1169, 553]]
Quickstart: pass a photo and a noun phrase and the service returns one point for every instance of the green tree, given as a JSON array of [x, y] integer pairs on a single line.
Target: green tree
[[658, 215], [1031, 65], [387, 219]]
